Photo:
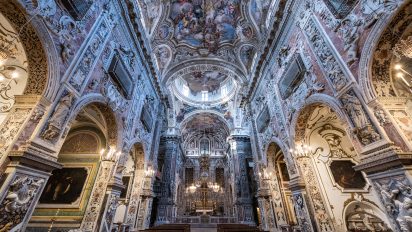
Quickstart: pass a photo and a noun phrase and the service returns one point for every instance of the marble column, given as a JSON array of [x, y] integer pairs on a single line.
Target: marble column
[[135, 197], [145, 204], [101, 197], [168, 152], [266, 213], [390, 172], [315, 199], [242, 151], [21, 185], [277, 201], [304, 215], [111, 202]]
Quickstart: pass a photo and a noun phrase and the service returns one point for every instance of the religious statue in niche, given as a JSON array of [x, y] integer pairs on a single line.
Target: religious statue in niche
[[58, 118], [354, 108], [363, 128], [345, 175], [64, 186]]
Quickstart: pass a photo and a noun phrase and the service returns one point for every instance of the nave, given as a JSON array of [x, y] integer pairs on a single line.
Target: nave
[[205, 115]]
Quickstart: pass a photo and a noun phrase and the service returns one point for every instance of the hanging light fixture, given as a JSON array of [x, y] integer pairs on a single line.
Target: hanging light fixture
[[110, 155], [300, 152], [404, 47], [404, 75]]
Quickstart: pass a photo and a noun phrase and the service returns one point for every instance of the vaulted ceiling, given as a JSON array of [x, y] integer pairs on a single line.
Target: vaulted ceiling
[[206, 49]]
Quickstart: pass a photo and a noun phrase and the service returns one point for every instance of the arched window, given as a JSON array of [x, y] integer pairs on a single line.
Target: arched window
[[77, 8], [204, 146], [340, 8]]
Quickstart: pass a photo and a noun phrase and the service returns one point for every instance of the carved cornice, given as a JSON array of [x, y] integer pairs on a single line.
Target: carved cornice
[[383, 159], [263, 192], [240, 138], [266, 54], [172, 138], [116, 185], [145, 49], [34, 157], [296, 184]]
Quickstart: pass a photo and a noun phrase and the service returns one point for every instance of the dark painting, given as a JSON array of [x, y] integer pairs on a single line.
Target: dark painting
[[64, 186], [346, 176]]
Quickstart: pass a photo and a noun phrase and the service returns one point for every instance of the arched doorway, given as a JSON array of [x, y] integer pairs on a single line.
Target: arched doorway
[[326, 156], [66, 199]]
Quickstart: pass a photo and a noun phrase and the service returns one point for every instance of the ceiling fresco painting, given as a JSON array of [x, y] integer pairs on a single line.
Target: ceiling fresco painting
[[206, 50], [205, 23], [259, 10], [205, 123], [204, 81]]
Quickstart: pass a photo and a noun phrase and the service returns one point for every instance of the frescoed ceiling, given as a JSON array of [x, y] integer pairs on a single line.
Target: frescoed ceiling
[[204, 81], [207, 46], [205, 123], [204, 31]]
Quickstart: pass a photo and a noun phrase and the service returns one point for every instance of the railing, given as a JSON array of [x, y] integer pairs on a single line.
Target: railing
[[204, 219]]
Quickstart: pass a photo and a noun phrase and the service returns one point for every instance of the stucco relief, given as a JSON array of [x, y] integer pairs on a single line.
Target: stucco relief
[[20, 195], [396, 195], [57, 120], [11, 126], [329, 63], [363, 127]]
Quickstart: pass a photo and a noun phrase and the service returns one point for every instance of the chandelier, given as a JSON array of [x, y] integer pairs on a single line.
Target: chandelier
[[300, 152], [404, 47], [401, 73], [265, 175], [110, 155]]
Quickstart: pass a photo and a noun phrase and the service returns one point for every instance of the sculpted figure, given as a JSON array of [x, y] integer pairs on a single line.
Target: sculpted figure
[[58, 117], [355, 111], [350, 29]]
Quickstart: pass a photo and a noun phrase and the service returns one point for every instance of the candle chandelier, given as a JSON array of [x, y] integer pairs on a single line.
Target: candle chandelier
[[300, 152], [404, 75], [404, 47]]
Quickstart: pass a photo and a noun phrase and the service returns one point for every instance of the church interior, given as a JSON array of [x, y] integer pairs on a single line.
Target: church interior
[[205, 115]]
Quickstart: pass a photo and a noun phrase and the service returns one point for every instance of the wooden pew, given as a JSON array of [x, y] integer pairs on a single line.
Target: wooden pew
[[169, 228], [236, 228]]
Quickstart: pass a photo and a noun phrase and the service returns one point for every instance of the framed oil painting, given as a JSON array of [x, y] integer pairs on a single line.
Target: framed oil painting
[[345, 176], [65, 186]]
